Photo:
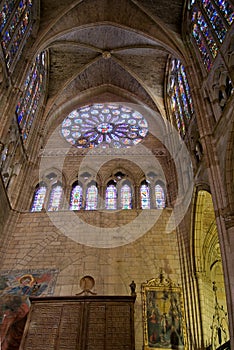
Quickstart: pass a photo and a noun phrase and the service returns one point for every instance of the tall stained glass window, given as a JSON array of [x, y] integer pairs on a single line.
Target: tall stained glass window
[[126, 197], [145, 196], [210, 20], [39, 198], [15, 24], [111, 197], [91, 198], [34, 87], [76, 198], [159, 196], [55, 198], [181, 103]]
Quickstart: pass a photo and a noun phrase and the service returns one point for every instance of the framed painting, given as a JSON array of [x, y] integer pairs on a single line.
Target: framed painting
[[163, 315]]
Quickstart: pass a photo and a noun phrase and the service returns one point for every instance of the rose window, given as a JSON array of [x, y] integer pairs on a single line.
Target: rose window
[[104, 125]]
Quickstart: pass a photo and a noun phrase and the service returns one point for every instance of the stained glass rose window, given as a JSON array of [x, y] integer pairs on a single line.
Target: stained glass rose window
[[104, 125]]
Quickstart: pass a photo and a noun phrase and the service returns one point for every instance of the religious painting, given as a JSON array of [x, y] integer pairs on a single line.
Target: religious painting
[[29, 283], [163, 318]]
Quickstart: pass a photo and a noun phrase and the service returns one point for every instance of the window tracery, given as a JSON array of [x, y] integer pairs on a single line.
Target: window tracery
[[34, 87], [118, 194], [15, 27], [104, 125], [180, 99], [210, 19]]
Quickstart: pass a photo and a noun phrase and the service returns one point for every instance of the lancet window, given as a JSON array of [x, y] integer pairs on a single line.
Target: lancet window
[[55, 199], [91, 197], [15, 27], [180, 98], [210, 19], [39, 197], [34, 87], [111, 196], [76, 197]]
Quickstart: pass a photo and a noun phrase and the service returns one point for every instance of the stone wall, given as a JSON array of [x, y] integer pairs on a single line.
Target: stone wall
[[134, 252]]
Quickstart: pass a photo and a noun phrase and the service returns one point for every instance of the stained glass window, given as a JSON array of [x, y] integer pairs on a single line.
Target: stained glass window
[[215, 19], [211, 20], [159, 196], [91, 198], [226, 9], [34, 86], [126, 197], [76, 198], [55, 198], [15, 27], [6, 10], [180, 98], [145, 196], [39, 198], [111, 197], [104, 125]]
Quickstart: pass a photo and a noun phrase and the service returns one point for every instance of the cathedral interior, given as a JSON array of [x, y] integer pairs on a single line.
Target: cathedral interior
[[117, 174]]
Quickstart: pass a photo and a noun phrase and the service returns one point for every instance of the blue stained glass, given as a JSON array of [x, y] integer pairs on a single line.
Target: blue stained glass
[[160, 197], [33, 88], [226, 9], [126, 197], [145, 197], [206, 32], [6, 10], [76, 198], [16, 30], [55, 198], [111, 197], [215, 20], [180, 98], [39, 199], [202, 47], [91, 198], [103, 124], [182, 70]]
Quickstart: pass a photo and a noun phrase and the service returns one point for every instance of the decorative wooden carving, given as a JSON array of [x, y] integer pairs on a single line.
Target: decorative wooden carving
[[80, 323]]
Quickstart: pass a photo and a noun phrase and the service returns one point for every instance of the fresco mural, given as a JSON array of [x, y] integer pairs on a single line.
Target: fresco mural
[[16, 287]]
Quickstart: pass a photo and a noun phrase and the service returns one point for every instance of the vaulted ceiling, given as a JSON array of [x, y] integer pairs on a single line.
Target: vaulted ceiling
[[108, 50]]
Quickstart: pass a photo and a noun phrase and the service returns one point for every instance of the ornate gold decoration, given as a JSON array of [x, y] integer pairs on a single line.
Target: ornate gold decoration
[[163, 314]]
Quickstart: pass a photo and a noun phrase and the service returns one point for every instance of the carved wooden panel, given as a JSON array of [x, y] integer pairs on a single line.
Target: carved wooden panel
[[80, 323]]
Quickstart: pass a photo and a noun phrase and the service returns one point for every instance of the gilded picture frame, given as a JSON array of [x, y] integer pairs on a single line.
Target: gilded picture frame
[[163, 315]]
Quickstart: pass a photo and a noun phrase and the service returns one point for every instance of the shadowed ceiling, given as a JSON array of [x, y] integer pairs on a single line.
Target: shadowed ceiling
[[108, 50]]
